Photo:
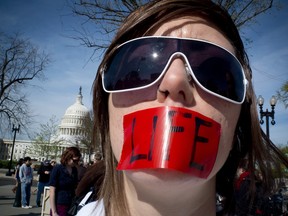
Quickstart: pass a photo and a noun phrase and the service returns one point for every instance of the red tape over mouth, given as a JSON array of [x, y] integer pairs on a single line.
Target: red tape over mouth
[[170, 138]]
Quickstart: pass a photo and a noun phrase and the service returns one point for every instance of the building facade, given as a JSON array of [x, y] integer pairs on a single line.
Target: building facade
[[19, 151]]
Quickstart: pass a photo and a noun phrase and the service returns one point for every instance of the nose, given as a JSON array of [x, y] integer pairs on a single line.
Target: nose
[[176, 86]]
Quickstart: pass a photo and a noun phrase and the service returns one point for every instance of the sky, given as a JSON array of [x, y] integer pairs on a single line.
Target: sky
[[49, 23]]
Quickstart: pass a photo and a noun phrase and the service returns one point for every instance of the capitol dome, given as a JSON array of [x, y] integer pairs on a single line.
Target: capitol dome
[[72, 124]]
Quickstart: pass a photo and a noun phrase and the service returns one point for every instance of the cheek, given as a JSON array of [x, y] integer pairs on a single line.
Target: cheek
[[228, 125], [116, 129], [119, 105]]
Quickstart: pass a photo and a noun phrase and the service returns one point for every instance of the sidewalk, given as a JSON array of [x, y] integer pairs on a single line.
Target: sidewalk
[[7, 200]]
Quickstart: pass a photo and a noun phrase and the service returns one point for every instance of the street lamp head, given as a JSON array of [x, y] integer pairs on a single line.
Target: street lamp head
[[14, 128], [267, 114], [273, 100], [260, 100]]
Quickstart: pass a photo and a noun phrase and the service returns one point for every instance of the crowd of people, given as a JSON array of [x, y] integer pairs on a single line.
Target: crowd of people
[[62, 179], [71, 188]]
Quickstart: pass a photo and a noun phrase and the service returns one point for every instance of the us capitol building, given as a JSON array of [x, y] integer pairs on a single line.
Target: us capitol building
[[71, 132]]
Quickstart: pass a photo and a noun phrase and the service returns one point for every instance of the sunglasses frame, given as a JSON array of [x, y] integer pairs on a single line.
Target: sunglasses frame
[[178, 54]]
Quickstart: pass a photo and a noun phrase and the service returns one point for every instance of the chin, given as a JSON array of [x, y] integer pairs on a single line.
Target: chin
[[161, 176]]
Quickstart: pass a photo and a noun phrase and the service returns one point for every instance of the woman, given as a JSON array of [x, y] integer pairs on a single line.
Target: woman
[[17, 188], [63, 182], [175, 66]]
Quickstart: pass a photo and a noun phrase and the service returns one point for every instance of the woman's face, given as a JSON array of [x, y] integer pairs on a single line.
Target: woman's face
[[73, 161], [180, 92]]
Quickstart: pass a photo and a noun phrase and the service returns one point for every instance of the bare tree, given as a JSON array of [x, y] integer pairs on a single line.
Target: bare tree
[[282, 94], [20, 62], [106, 16], [245, 11]]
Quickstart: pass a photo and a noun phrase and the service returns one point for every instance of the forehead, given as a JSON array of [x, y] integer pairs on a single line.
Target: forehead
[[194, 27]]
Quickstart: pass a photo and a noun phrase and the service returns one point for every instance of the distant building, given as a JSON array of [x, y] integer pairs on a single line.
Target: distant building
[[20, 149], [72, 132], [72, 127]]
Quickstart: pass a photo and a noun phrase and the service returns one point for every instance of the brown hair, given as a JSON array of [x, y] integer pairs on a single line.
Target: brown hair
[[248, 140], [69, 153]]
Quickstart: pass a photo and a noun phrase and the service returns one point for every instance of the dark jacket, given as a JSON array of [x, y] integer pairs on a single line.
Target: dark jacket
[[44, 177], [64, 183]]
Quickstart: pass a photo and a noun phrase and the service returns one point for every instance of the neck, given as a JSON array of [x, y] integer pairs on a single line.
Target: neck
[[161, 197], [69, 169]]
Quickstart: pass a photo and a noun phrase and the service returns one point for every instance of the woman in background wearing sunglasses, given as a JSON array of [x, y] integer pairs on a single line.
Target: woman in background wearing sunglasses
[[63, 182], [175, 112]]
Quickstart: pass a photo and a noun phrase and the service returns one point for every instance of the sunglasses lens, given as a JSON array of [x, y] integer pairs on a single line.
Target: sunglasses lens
[[75, 160], [217, 71], [133, 65], [139, 63]]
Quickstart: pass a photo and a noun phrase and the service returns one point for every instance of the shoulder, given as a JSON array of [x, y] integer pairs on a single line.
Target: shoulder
[[95, 208], [57, 170], [58, 167]]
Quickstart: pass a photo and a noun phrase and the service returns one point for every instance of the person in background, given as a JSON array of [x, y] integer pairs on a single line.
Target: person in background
[[81, 169], [44, 177], [63, 182], [175, 112], [17, 187], [89, 185], [242, 200], [53, 162], [97, 158], [93, 177], [26, 179]]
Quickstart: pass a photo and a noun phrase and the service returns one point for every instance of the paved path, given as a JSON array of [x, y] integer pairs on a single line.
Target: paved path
[[7, 199]]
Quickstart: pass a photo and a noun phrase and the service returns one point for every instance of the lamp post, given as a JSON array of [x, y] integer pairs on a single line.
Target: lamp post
[[14, 129], [267, 113]]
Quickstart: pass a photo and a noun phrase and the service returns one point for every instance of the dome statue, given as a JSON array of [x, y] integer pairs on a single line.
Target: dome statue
[[72, 126]]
